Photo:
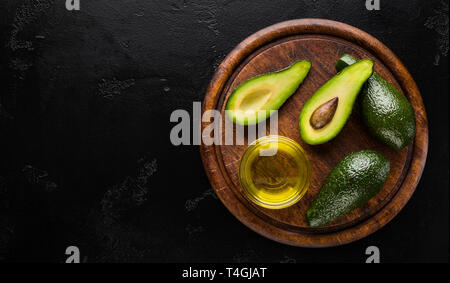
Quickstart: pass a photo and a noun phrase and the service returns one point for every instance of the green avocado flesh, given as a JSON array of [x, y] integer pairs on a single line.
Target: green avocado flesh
[[256, 99], [351, 183], [345, 86], [385, 110]]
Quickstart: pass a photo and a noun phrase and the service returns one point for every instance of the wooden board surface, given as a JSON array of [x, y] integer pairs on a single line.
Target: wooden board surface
[[322, 42]]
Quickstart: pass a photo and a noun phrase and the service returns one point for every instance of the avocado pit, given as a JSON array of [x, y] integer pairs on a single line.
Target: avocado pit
[[324, 114]]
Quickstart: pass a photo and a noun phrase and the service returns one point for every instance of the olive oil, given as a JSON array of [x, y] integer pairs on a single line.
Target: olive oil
[[274, 172]]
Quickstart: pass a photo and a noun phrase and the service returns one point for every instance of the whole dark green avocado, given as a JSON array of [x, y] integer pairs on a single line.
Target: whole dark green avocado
[[385, 110], [351, 183]]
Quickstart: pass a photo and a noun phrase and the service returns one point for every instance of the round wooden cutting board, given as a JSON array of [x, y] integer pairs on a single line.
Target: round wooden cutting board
[[322, 42]]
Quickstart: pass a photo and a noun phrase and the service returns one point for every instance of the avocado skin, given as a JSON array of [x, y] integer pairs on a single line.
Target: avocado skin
[[385, 110], [351, 183]]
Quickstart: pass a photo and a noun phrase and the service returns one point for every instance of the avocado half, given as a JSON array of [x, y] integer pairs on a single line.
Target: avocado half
[[256, 99], [325, 113]]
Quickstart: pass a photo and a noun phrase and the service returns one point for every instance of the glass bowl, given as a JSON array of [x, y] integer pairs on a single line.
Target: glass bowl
[[274, 172]]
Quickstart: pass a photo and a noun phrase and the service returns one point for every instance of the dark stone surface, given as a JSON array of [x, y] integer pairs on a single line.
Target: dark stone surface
[[86, 158]]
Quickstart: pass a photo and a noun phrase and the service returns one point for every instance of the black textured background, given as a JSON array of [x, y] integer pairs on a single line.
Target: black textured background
[[85, 156]]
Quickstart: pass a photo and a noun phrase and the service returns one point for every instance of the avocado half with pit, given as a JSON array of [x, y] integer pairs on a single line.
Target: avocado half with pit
[[325, 113], [256, 99]]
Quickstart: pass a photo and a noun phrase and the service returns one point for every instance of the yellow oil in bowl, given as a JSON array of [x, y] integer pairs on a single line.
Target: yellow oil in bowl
[[274, 172]]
